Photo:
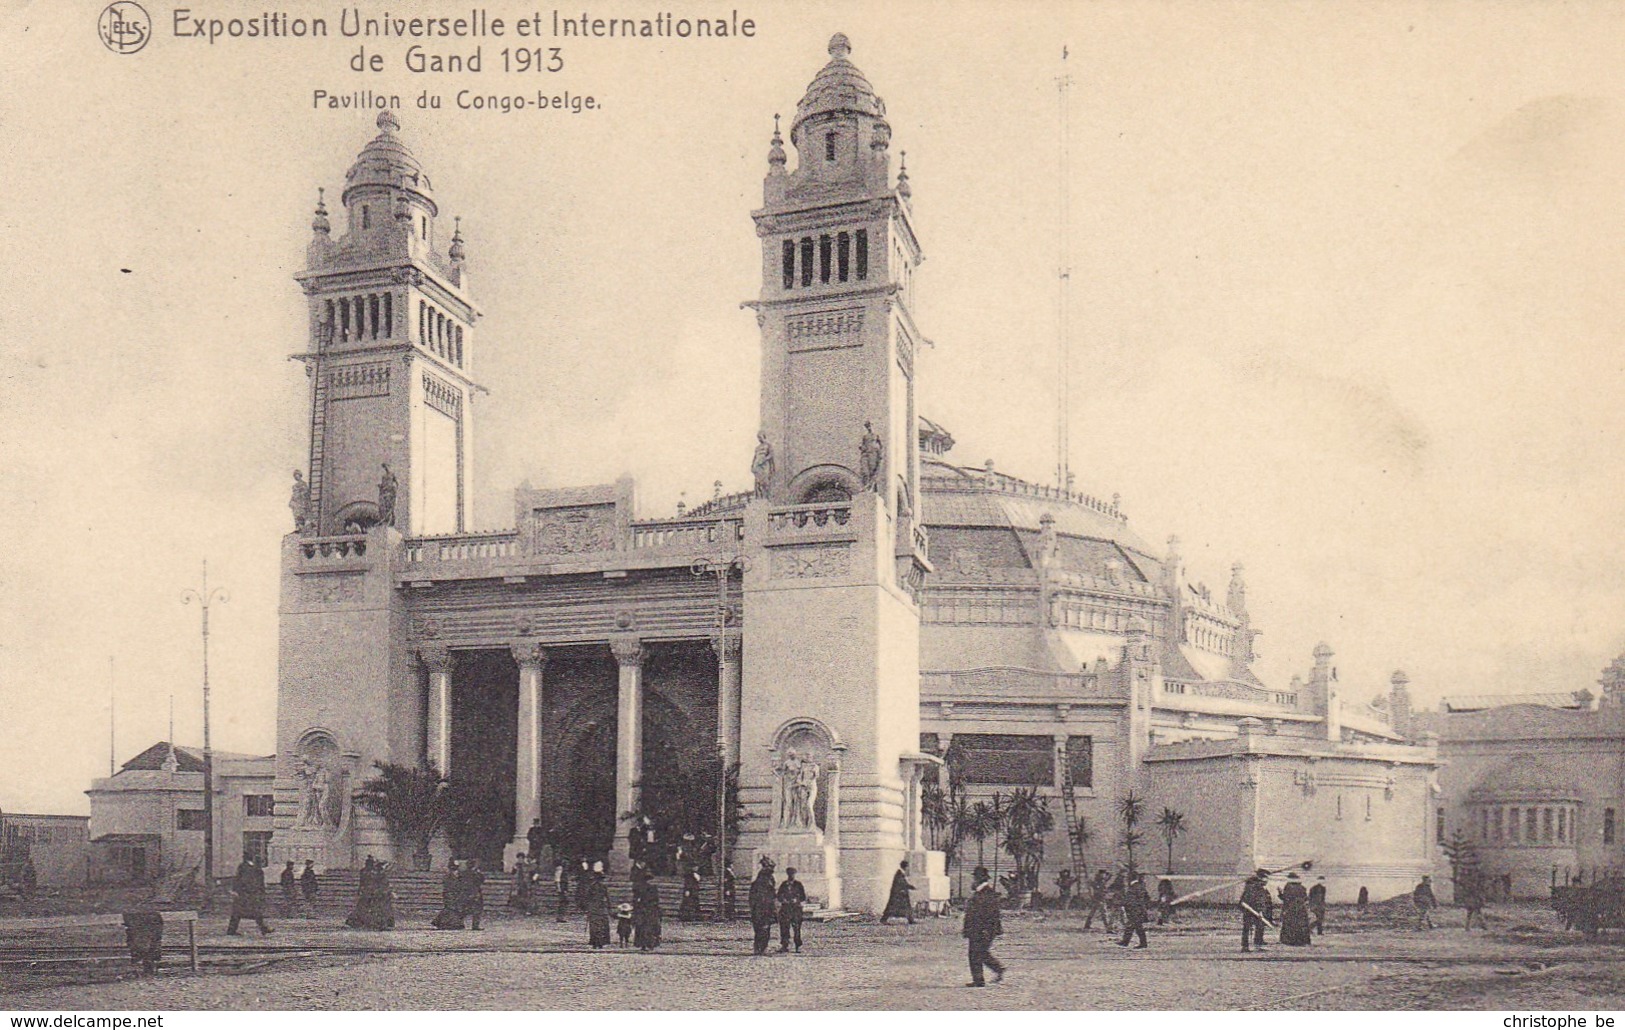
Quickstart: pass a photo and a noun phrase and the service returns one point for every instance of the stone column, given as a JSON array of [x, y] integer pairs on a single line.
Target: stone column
[[437, 718], [532, 659], [628, 651], [727, 648]]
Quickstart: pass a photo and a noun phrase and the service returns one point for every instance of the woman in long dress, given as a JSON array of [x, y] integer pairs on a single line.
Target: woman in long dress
[[597, 908], [452, 906], [1294, 912], [646, 916], [372, 910]]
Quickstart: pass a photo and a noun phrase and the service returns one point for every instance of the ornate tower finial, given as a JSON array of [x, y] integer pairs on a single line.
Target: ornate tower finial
[[839, 46], [775, 153], [903, 189], [455, 251], [320, 223], [387, 122]]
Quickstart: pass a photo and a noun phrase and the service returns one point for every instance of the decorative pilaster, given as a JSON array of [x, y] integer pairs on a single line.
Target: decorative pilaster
[[532, 659], [727, 647], [628, 651], [437, 719]]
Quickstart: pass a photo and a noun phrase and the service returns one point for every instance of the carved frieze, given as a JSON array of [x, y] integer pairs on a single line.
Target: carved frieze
[[332, 589], [819, 329], [812, 562], [577, 529], [352, 382]]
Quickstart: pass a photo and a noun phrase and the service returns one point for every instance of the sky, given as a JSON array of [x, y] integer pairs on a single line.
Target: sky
[[1344, 298]]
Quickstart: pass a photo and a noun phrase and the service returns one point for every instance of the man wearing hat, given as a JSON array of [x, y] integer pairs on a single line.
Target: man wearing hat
[[1255, 909], [763, 905], [1317, 907], [982, 925], [1422, 897], [792, 895], [898, 904]]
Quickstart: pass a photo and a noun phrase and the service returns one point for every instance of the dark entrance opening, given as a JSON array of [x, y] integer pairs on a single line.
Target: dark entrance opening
[[578, 749], [484, 725]]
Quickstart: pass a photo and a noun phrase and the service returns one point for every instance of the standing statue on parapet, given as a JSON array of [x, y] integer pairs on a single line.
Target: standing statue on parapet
[[870, 452], [387, 489], [299, 503], [761, 466]]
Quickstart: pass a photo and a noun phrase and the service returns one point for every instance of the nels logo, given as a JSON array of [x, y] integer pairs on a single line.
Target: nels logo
[[124, 27]]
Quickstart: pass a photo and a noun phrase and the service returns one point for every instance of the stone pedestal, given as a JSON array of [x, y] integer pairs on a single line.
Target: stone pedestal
[[928, 871], [817, 864]]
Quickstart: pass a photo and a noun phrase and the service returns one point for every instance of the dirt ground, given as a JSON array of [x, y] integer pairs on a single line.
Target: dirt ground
[[1525, 960]]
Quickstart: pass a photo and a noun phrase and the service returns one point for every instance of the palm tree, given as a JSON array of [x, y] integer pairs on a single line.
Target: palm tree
[[1172, 825], [934, 813], [1083, 835], [997, 814], [981, 824], [1027, 820], [1130, 810], [961, 820], [411, 801]]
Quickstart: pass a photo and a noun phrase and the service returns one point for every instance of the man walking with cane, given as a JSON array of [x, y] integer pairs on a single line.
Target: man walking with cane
[[1255, 909]]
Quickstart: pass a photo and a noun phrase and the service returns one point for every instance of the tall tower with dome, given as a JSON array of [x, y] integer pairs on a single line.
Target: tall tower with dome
[[836, 554], [391, 352]]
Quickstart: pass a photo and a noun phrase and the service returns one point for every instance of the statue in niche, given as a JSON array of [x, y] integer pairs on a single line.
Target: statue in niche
[[299, 503], [871, 451], [388, 487], [322, 785], [798, 791], [761, 466]]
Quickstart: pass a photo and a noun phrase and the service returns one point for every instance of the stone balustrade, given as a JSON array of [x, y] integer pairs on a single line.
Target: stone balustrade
[[690, 533], [350, 545], [463, 547], [796, 518], [998, 481]]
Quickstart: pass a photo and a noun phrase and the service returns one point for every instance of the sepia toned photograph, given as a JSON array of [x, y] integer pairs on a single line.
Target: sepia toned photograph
[[1033, 506]]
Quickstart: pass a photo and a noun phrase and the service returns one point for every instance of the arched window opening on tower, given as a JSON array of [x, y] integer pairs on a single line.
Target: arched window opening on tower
[[823, 258], [360, 316], [843, 255], [459, 355], [372, 313], [425, 228], [423, 324], [829, 146], [806, 260], [366, 217], [344, 319], [331, 321], [862, 247], [389, 315], [789, 264]]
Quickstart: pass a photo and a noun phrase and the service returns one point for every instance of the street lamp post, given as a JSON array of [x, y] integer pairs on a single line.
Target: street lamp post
[[722, 569], [204, 597]]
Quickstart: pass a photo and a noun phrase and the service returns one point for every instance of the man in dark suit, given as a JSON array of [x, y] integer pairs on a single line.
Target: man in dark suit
[[763, 905], [792, 895], [982, 925], [248, 896]]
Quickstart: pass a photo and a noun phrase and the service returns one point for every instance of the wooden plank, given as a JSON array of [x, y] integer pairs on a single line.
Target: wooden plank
[[89, 919]]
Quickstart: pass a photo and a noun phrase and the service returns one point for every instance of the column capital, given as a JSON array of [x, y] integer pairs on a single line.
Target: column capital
[[528, 653], [726, 646], [627, 649], [437, 658]]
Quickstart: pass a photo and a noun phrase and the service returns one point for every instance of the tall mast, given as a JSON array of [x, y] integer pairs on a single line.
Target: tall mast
[[112, 723], [1063, 272]]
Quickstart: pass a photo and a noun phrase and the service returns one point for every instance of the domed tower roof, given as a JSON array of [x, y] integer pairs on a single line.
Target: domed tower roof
[[387, 162], [837, 88]]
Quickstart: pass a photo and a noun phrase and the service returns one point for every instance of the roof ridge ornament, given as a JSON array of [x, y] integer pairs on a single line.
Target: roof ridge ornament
[[387, 122], [839, 46]]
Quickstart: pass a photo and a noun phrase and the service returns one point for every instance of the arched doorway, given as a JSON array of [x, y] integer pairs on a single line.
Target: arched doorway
[[584, 809]]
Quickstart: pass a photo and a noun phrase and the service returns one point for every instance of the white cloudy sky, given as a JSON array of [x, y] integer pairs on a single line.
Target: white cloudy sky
[[1346, 302]]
